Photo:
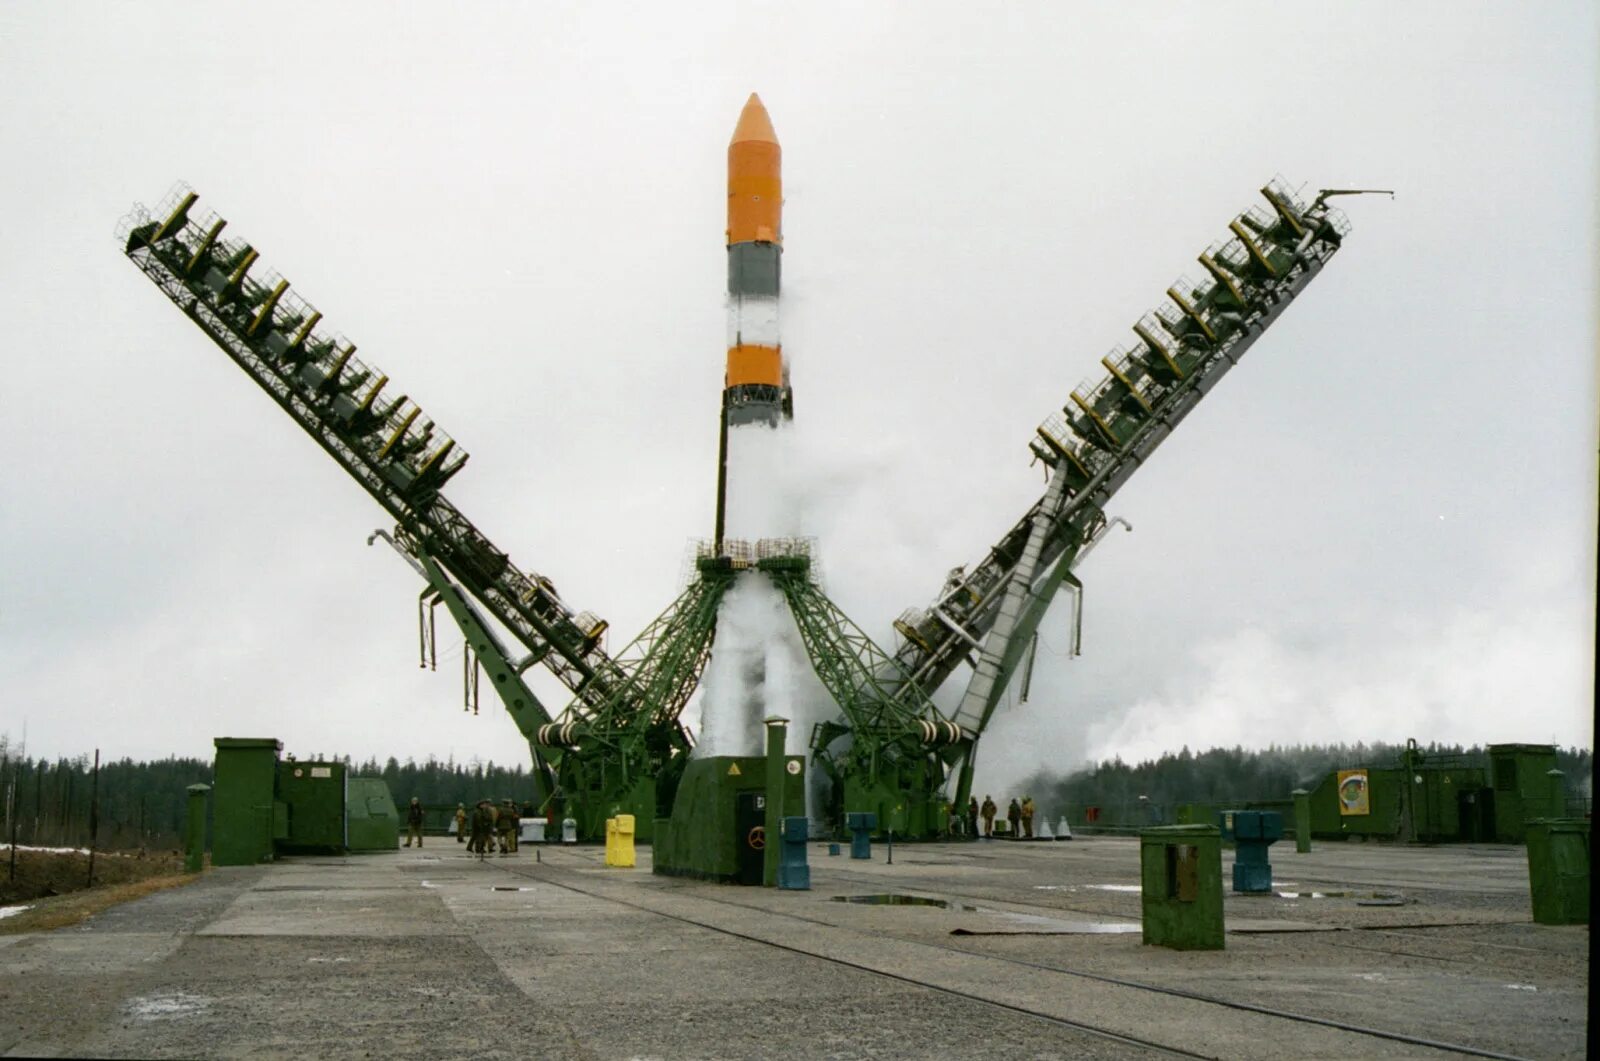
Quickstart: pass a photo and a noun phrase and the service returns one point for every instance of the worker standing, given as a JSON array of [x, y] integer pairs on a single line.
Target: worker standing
[[972, 817], [482, 828], [414, 822], [510, 822], [989, 811], [1014, 817], [1027, 817], [461, 823]]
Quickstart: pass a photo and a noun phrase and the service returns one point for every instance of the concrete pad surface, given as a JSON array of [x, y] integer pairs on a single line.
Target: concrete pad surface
[[434, 953]]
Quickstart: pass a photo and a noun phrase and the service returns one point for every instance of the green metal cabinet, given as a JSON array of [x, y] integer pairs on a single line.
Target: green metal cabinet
[[315, 795], [1181, 886], [243, 824], [1558, 870]]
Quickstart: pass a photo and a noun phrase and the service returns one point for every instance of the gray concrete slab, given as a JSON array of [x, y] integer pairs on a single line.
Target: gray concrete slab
[[435, 953]]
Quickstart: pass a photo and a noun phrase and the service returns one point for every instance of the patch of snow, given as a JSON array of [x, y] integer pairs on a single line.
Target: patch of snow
[[53, 850], [164, 1005], [8, 911]]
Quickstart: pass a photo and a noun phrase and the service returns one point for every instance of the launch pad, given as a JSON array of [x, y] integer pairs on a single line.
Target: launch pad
[[1013, 950], [619, 746]]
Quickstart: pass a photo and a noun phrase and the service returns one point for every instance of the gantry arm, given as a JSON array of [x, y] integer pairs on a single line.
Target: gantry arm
[[386, 444], [986, 615]]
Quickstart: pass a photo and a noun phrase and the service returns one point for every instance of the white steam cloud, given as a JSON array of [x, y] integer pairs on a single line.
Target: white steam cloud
[[1467, 680], [759, 666]]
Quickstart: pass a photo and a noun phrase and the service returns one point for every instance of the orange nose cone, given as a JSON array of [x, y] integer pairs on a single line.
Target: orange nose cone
[[754, 123], [755, 178]]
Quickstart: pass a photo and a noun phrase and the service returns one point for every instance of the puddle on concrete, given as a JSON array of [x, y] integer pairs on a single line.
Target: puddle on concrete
[[1052, 926], [1521, 987], [1361, 898], [334, 961], [1132, 888], [901, 900], [1018, 923], [164, 1005]]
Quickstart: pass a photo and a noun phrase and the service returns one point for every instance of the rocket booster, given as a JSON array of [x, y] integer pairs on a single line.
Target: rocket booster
[[756, 387]]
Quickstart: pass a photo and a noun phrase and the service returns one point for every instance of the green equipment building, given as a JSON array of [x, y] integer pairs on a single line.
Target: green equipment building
[[266, 806], [1442, 798]]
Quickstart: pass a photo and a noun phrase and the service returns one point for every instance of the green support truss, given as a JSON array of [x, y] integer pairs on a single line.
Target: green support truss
[[627, 753], [885, 754]]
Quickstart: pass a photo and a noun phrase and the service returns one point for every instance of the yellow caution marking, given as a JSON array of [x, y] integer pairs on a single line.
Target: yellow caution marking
[[733, 770], [1121, 378], [399, 432], [1104, 428], [176, 219], [1224, 278], [1284, 211], [338, 366], [205, 245], [244, 267], [438, 455], [911, 634], [373, 393], [1253, 247], [1159, 347], [265, 312], [305, 329], [1061, 450], [1191, 312]]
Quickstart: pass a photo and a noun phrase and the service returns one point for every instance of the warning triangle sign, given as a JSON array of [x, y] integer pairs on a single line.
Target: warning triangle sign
[[733, 770]]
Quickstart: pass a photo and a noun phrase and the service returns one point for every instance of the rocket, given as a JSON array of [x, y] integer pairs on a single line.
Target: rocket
[[756, 383]]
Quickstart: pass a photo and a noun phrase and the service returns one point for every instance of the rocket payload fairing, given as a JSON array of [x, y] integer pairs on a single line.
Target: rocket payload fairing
[[755, 389]]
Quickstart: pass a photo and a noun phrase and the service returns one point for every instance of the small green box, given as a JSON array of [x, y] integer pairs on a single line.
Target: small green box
[[1558, 870], [1181, 886]]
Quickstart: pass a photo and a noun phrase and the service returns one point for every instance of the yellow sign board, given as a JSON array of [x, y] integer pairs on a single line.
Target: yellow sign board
[[733, 770], [1355, 795]]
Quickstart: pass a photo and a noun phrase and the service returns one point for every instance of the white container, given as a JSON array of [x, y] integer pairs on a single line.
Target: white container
[[569, 830], [532, 831]]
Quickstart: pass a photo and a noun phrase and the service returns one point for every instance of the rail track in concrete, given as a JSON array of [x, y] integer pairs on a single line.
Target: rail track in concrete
[[544, 874]]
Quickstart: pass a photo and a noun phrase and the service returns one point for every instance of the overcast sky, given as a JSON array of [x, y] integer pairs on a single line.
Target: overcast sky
[[1381, 526]]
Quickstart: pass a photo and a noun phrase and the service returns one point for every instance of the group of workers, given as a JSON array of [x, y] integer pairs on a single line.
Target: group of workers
[[480, 828], [1018, 815]]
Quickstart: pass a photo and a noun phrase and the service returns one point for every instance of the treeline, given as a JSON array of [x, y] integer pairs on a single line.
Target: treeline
[[133, 805], [444, 784], [1237, 774], [144, 805]]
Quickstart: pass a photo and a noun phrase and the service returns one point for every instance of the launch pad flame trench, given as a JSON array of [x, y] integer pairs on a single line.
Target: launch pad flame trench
[[753, 620]]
